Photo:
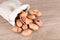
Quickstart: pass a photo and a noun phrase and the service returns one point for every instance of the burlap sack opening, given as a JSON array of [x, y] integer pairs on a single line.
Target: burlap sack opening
[[9, 10]]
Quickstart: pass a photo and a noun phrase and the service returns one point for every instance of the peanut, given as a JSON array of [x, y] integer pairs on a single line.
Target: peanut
[[16, 29], [31, 16], [23, 14], [18, 22], [24, 27], [33, 26], [39, 23], [27, 32], [31, 12]]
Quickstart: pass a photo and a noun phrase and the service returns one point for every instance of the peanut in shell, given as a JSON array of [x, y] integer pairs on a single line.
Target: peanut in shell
[[24, 27], [31, 16], [19, 23], [38, 22], [31, 12], [26, 32], [16, 29], [33, 26], [23, 14]]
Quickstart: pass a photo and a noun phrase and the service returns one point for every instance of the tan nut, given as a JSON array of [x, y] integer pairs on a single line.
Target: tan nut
[[26, 20], [26, 32], [23, 14], [31, 16], [38, 22], [33, 26], [16, 29], [35, 10], [18, 22], [31, 12], [24, 27], [38, 13]]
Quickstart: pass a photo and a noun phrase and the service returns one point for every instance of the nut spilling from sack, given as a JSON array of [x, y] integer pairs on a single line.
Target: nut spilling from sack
[[26, 22]]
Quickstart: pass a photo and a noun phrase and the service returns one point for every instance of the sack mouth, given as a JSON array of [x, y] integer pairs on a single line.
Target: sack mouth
[[18, 10]]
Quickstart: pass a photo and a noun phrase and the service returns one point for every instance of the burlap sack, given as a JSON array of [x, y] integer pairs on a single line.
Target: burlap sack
[[9, 10]]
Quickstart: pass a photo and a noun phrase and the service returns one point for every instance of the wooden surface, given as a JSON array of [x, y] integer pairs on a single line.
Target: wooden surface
[[50, 18]]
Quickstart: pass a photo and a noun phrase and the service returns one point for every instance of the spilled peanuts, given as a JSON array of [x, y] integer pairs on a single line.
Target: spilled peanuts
[[26, 22]]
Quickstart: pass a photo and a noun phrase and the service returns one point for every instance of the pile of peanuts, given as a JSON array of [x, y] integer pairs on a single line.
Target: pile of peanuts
[[26, 22]]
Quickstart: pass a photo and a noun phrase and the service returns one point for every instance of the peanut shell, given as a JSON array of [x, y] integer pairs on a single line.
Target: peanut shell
[[18, 22], [33, 26], [26, 32], [24, 27], [16, 29], [38, 22], [38, 13], [31, 12], [23, 14], [31, 16]]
